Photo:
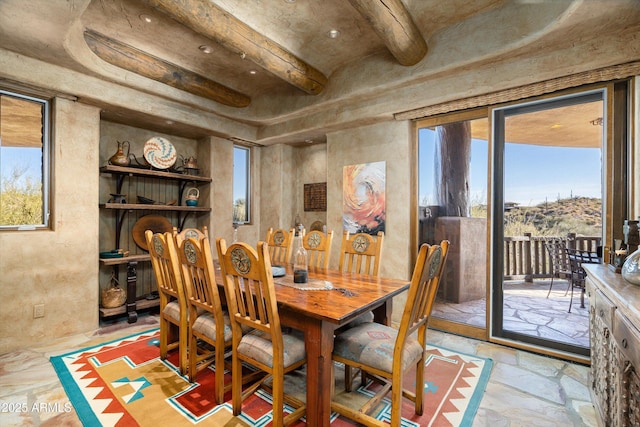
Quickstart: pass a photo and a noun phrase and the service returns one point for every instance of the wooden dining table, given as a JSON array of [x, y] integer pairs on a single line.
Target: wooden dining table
[[318, 313], [330, 299]]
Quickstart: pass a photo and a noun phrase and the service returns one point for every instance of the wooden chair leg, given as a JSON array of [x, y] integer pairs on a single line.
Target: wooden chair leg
[[348, 378], [396, 401], [236, 373], [419, 403], [193, 358], [182, 351], [219, 386], [278, 403]]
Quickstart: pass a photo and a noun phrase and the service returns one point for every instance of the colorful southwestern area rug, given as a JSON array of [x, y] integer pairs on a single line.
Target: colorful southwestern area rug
[[125, 383]]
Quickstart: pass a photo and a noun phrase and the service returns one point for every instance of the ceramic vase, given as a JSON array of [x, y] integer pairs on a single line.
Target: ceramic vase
[[631, 268]]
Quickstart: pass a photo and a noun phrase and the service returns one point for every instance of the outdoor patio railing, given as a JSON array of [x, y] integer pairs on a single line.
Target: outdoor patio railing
[[525, 257]]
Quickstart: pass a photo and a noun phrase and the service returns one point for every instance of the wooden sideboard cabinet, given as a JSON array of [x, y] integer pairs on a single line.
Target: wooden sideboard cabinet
[[615, 346]]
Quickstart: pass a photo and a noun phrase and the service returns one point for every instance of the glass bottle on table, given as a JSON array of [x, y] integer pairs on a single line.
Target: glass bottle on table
[[300, 266]]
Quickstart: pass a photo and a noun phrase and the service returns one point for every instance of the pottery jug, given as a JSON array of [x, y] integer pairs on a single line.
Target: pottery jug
[[120, 158], [190, 163]]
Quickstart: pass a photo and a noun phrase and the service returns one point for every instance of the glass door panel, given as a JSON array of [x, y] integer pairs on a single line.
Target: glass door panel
[[548, 189], [452, 175]]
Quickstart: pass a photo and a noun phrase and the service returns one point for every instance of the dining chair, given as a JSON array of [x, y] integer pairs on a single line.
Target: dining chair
[[361, 253], [559, 261], [189, 232], [251, 298], [318, 246], [174, 327], [386, 353], [280, 241], [210, 333], [578, 275]]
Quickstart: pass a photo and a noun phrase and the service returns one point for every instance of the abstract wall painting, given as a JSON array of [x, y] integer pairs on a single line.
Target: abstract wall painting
[[363, 195]]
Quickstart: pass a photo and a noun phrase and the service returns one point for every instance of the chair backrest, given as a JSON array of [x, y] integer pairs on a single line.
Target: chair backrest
[[249, 289], [422, 292], [279, 244], [361, 253], [578, 257], [318, 246], [558, 256], [189, 232], [164, 261], [199, 279]]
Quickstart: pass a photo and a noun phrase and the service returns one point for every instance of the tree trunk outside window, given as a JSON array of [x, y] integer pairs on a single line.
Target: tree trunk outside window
[[452, 162]]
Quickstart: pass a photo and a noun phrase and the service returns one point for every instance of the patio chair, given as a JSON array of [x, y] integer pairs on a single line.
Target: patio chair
[[387, 353], [576, 258], [559, 262]]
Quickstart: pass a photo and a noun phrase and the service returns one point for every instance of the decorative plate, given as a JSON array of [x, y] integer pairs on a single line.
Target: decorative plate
[[160, 153]]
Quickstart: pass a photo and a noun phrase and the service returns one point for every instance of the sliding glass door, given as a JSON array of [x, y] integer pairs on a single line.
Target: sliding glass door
[[548, 171]]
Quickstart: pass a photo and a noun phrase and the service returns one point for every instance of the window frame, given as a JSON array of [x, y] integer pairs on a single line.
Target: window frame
[[247, 188], [47, 162]]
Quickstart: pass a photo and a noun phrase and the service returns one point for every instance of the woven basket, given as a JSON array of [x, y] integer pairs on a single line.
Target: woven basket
[[113, 296]]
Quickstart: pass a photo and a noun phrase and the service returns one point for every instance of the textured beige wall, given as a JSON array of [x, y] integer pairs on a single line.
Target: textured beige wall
[[277, 188], [311, 167], [389, 142], [57, 267]]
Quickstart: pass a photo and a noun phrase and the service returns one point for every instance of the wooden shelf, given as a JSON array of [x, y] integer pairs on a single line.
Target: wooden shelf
[[124, 170], [149, 207], [124, 260], [141, 304]]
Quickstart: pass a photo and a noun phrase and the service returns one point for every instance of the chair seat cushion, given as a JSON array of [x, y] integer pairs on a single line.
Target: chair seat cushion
[[172, 310], [372, 344], [205, 324], [258, 346]]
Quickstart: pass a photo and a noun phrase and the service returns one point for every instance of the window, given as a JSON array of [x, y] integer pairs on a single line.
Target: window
[[241, 184], [24, 162]]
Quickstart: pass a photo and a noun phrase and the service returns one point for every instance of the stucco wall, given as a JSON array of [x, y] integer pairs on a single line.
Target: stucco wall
[[311, 168], [57, 267], [389, 142]]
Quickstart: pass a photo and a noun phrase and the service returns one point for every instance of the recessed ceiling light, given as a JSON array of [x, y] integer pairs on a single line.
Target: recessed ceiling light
[[253, 72], [290, 1], [146, 18], [169, 122], [205, 49], [333, 34], [309, 141], [556, 126]]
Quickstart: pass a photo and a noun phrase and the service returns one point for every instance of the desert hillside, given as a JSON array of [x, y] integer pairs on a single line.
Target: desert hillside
[[580, 215]]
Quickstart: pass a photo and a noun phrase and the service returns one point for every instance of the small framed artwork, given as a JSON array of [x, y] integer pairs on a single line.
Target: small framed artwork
[[315, 197]]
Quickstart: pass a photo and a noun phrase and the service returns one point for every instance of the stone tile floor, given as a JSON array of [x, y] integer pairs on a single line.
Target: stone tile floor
[[528, 310], [525, 389]]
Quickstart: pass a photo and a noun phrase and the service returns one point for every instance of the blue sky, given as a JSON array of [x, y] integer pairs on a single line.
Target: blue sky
[[533, 173], [27, 159]]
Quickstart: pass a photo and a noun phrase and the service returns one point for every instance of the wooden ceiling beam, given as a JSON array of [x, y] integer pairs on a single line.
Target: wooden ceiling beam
[[394, 25], [207, 19], [132, 59]]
